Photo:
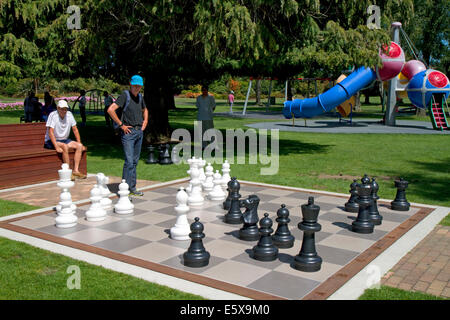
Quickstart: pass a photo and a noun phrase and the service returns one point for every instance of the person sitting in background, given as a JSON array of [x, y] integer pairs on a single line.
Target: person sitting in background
[[58, 125], [28, 106], [49, 105], [82, 102], [37, 110]]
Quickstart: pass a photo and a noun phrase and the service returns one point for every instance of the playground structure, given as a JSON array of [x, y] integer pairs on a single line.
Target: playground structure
[[426, 88], [94, 101]]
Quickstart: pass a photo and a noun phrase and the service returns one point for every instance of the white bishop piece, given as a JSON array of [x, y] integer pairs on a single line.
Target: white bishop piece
[[217, 192], [96, 211], [124, 205], [208, 185], [105, 201], [66, 209], [181, 229]]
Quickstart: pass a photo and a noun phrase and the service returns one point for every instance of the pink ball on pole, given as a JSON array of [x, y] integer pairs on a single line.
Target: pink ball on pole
[[413, 67], [393, 62]]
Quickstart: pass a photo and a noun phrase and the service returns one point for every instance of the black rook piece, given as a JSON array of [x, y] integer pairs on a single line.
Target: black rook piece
[[362, 224], [151, 155], [164, 157], [265, 250], [196, 256], [400, 203], [374, 215], [234, 215], [283, 238], [250, 232], [308, 260], [351, 205]]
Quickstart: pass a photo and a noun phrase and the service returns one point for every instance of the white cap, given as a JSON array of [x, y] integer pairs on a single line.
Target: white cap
[[63, 104]]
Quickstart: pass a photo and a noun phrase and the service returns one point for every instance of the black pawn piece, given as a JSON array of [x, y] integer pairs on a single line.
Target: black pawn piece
[[400, 203], [308, 260], [196, 256], [234, 214], [164, 157], [351, 205], [151, 155], [227, 203], [265, 250], [363, 224], [283, 238], [250, 232], [374, 214]]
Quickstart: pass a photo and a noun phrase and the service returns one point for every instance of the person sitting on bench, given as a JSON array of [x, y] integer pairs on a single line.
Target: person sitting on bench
[[58, 126]]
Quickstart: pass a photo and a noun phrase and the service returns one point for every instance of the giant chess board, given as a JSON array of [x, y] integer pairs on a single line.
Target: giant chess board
[[143, 239]]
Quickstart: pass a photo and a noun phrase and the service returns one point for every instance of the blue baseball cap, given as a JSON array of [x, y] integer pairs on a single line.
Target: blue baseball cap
[[136, 80]]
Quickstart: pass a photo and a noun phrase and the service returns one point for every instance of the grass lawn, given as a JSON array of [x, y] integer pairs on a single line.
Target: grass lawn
[[8, 207], [309, 160], [389, 293]]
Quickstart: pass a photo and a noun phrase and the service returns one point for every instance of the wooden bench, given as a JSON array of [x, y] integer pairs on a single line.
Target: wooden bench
[[23, 158]]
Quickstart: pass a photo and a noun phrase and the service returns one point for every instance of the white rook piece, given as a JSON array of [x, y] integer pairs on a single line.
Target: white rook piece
[[182, 228], [124, 205], [96, 211]]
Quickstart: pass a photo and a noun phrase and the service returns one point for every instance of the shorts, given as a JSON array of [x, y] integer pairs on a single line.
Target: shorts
[[49, 145]]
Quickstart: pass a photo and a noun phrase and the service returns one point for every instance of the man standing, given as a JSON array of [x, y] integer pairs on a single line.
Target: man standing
[[82, 102], [132, 122], [108, 101], [206, 106], [58, 125]]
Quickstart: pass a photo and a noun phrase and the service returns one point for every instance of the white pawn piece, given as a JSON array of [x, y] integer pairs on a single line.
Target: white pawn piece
[[192, 163], [201, 166], [65, 183], [105, 201], [208, 185], [217, 192], [124, 205], [225, 174], [196, 197], [182, 228], [66, 217], [96, 211]]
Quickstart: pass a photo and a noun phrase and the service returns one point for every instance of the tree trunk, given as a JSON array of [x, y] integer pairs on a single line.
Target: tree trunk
[[258, 92], [358, 102], [289, 91], [159, 99]]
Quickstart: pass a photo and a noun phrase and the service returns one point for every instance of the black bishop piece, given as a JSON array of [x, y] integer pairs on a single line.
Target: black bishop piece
[[164, 155], [196, 256]]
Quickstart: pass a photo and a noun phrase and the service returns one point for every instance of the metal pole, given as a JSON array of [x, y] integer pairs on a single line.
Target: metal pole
[[392, 96], [246, 98], [285, 91], [270, 92]]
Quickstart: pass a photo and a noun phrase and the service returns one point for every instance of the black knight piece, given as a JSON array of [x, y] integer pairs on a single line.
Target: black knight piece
[[196, 256], [351, 205], [400, 203], [362, 224], [265, 250], [234, 214], [152, 159], [308, 260], [250, 232], [164, 155], [282, 237], [374, 214]]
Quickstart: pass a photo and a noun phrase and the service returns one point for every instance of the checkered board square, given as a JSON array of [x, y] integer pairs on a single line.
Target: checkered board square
[[145, 236]]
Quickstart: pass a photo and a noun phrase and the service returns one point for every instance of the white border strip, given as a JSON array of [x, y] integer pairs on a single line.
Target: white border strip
[[118, 266], [355, 287]]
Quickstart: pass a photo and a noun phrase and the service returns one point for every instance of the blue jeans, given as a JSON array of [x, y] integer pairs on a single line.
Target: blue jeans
[[132, 143]]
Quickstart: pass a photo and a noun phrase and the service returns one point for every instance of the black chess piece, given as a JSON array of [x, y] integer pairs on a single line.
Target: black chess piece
[[351, 205], [282, 237], [374, 214], [363, 224], [250, 232], [165, 157], [400, 203], [308, 260], [196, 256], [234, 214], [227, 203], [265, 250], [152, 159]]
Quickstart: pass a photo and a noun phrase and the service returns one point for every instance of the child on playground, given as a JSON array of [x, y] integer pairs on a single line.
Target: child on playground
[[231, 100]]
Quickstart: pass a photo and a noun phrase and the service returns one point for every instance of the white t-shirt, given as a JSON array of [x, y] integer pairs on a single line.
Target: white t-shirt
[[61, 127]]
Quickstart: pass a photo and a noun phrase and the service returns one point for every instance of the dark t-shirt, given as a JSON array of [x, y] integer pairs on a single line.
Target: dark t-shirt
[[133, 116]]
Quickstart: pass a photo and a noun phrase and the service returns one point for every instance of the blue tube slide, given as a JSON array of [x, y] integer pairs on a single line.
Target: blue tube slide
[[329, 100]]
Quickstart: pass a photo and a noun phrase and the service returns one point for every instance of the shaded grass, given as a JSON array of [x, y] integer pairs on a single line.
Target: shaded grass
[[29, 273], [8, 207], [389, 293]]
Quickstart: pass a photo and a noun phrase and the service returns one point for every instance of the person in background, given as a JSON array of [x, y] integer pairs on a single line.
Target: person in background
[[28, 106], [231, 101], [206, 104], [82, 102], [49, 105], [108, 101]]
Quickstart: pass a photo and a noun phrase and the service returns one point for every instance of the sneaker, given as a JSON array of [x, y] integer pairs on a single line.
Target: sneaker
[[79, 175], [136, 193]]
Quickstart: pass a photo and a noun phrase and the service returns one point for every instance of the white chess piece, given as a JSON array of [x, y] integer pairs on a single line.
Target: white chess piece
[[193, 163], [201, 166], [124, 205], [217, 192], [195, 197], [105, 201], [182, 228], [65, 183], [208, 185], [96, 211], [225, 174], [66, 217]]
